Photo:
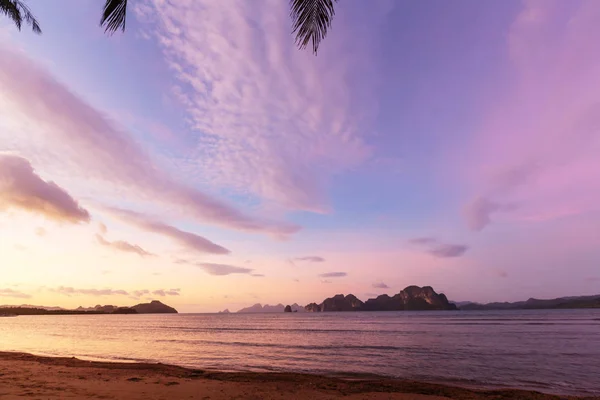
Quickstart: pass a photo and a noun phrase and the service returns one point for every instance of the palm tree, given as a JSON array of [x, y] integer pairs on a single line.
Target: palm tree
[[310, 19], [18, 11]]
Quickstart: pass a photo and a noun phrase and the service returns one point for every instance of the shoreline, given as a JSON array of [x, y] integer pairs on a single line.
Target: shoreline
[[31, 376]]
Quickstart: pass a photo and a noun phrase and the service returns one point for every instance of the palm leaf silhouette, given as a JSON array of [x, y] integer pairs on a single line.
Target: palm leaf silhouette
[[311, 19], [18, 11], [114, 15]]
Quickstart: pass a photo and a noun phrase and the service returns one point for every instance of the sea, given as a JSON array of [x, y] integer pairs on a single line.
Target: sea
[[552, 351]]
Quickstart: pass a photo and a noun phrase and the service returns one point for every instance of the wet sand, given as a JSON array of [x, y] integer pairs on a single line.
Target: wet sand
[[33, 377]]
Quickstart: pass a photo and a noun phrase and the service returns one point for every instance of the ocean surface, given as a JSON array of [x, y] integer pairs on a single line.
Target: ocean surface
[[554, 351]]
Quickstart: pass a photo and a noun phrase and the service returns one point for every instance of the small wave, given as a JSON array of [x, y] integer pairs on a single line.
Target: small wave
[[284, 346]]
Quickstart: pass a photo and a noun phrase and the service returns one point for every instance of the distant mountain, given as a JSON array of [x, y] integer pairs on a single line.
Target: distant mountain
[[105, 309], [279, 308], [459, 304], [532, 304], [32, 306], [154, 307], [411, 298], [225, 311]]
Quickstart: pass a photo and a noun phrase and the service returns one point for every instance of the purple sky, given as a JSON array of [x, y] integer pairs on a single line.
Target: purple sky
[[451, 144]]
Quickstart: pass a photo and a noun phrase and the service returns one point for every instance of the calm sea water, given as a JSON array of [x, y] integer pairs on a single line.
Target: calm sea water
[[556, 351]]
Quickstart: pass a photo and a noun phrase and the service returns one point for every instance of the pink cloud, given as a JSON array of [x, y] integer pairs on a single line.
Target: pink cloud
[[312, 259], [13, 293], [123, 246], [98, 148], [478, 213], [272, 122], [439, 249], [189, 240], [21, 187], [540, 141], [68, 291], [102, 228], [333, 275], [165, 292], [223, 269], [380, 285], [448, 250]]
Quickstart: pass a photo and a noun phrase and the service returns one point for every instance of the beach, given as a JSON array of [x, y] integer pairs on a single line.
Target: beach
[[34, 377]]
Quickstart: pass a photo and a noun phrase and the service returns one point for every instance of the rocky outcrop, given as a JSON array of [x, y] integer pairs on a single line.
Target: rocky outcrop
[[154, 307], [106, 309], [288, 308], [339, 302], [411, 298]]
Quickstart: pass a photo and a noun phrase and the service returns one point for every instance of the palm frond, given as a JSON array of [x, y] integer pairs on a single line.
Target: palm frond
[[114, 15], [28, 16], [10, 9], [311, 20], [18, 11]]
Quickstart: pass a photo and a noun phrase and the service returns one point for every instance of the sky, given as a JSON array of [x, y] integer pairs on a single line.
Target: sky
[[201, 159]]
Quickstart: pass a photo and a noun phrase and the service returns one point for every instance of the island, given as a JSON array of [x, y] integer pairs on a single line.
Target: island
[[154, 307], [537, 304], [412, 298]]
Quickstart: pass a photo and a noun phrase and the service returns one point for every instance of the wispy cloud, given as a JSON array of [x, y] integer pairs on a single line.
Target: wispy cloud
[[13, 293], [439, 249], [380, 285], [536, 148], [68, 291], [444, 250], [189, 240], [123, 246], [312, 259], [40, 231], [248, 90], [291, 262], [100, 150], [333, 274], [478, 213], [423, 241], [21, 187], [223, 269], [501, 273], [71, 291], [164, 292], [258, 275]]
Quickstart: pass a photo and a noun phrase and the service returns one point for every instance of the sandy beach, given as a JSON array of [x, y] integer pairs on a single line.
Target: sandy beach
[[34, 377]]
